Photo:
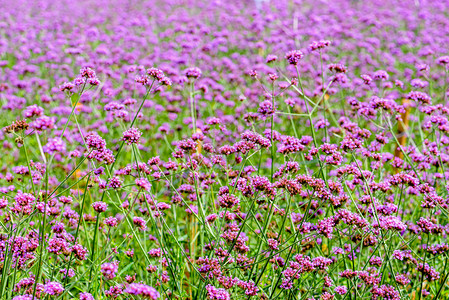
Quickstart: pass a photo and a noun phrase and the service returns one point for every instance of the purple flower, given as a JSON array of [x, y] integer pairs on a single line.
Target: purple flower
[[33, 111], [273, 244], [23, 297], [228, 200], [266, 108], [318, 45], [114, 183], [140, 222], [341, 290], [79, 251], [193, 72], [111, 221], [86, 296], [143, 183], [67, 86], [443, 60], [132, 136], [380, 75], [54, 145], [293, 57], [271, 58], [366, 79], [99, 206], [217, 293], [143, 290], [53, 288], [109, 270], [419, 97], [94, 141], [43, 123]]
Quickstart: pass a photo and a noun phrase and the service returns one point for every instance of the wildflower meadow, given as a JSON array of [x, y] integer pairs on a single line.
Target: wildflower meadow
[[212, 149]]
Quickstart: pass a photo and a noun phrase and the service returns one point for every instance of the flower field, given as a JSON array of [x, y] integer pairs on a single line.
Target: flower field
[[239, 149]]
